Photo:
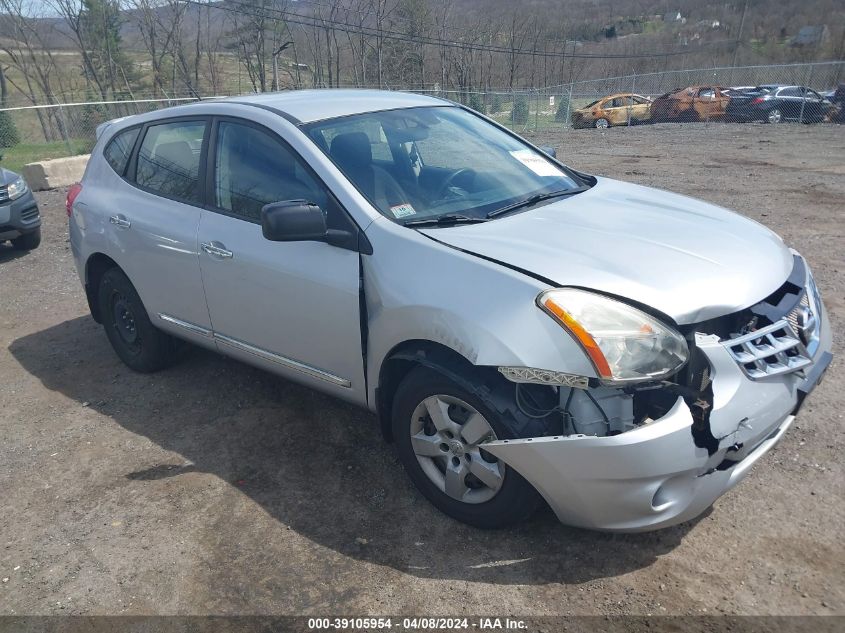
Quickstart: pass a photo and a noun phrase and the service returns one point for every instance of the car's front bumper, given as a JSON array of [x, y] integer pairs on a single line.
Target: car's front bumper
[[18, 217], [655, 476]]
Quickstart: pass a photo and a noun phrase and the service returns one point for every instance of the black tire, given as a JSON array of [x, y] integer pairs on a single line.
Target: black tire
[[514, 502], [27, 241], [138, 343]]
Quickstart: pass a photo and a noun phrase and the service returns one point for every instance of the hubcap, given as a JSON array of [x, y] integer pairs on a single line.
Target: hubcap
[[775, 116], [601, 123], [446, 436], [124, 320]]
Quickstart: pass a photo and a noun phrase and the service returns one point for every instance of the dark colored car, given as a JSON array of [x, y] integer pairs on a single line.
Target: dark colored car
[[774, 103], [20, 220]]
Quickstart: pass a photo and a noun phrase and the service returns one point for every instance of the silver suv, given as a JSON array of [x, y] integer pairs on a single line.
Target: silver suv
[[524, 332]]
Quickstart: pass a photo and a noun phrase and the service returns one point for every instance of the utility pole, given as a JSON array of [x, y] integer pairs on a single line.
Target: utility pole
[[739, 35], [276, 54]]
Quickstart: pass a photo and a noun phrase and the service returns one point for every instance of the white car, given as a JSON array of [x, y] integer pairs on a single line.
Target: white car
[[525, 333]]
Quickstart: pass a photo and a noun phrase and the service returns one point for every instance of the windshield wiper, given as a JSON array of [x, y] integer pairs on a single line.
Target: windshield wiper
[[447, 219], [534, 200]]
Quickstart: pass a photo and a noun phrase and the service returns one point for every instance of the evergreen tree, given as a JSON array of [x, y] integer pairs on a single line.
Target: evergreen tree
[[519, 114], [9, 136], [496, 104], [562, 109], [475, 102]]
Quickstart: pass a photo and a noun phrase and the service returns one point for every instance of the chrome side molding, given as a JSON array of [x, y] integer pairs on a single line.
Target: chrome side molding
[[191, 327]]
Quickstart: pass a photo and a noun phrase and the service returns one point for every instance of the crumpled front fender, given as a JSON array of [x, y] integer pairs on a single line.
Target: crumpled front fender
[[654, 475]]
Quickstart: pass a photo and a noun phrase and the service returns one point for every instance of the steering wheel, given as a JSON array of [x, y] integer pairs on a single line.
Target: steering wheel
[[463, 171]]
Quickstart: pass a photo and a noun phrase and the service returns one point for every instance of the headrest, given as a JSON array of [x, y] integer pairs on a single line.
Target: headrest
[[352, 150], [176, 154]]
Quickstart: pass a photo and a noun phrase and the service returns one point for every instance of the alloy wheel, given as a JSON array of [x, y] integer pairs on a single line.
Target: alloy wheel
[[775, 116], [602, 124], [446, 437]]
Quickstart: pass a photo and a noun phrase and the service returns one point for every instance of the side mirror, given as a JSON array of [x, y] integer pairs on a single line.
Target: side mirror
[[303, 221], [293, 221], [548, 150]]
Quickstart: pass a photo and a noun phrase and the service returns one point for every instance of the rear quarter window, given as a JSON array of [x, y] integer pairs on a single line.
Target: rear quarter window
[[118, 150]]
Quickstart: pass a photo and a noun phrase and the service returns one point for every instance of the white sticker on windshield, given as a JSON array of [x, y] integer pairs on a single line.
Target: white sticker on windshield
[[402, 210], [535, 163]]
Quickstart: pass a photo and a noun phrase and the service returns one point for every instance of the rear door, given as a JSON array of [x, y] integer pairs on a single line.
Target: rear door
[[614, 111], [291, 307], [640, 109], [153, 224]]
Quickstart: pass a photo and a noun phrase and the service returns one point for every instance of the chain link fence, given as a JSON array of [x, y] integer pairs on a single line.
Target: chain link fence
[[809, 95], [798, 92]]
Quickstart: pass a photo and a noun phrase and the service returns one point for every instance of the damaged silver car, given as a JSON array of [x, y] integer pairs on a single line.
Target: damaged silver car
[[526, 333]]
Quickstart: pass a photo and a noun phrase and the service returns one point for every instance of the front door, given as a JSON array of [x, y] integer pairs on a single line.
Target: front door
[[291, 307], [707, 103]]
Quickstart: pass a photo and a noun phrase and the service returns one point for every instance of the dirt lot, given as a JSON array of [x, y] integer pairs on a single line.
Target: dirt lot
[[215, 488]]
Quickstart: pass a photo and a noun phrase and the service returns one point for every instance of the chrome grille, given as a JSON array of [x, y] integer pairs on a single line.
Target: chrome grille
[[769, 351], [792, 317], [4, 193]]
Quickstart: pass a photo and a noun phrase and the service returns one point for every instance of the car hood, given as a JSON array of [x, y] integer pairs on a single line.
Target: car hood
[[686, 258], [7, 176]]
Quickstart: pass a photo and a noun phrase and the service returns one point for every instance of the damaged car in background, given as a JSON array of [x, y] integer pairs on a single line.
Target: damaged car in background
[[526, 333]]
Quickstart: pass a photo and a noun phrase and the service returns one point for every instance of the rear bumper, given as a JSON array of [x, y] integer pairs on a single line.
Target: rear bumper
[[655, 476], [19, 217]]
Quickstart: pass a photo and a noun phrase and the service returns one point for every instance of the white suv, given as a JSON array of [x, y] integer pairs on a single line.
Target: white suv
[[524, 332]]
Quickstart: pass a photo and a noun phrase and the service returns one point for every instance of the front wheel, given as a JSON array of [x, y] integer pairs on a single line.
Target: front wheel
[[602, 124], [440, 430]]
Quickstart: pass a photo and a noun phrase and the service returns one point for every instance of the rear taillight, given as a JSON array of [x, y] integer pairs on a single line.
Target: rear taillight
[[71, 196], [757, 100]]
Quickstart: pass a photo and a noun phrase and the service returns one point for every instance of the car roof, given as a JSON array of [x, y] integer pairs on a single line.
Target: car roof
[[307, 106]]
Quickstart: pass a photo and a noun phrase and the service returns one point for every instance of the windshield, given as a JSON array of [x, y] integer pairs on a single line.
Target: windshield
[[425, 163]]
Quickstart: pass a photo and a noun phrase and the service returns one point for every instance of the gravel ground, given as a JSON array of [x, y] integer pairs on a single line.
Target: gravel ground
[[216, 488]]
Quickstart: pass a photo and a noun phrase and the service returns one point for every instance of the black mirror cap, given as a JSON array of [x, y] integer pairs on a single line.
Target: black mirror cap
[[293, 221], [548, 150]]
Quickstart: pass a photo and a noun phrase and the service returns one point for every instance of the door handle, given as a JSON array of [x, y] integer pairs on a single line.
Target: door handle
[[120, 221], [216, 249]]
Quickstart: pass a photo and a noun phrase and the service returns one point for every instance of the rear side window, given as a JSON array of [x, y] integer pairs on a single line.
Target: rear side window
[[169, 159], [119, 148]]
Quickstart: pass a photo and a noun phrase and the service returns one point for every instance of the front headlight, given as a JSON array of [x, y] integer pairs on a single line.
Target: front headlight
[[625, 344], [17, 189]]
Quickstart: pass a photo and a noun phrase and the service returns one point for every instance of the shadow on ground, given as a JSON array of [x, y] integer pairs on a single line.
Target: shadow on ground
[[315, 464], [8, 252]]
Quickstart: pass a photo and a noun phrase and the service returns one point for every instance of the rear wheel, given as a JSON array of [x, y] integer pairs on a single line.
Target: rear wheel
[[138, 343], [27, 241], [774, 116], [602, 124], [440, 430]]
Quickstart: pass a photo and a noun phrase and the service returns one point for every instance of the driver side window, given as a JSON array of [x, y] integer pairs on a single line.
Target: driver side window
[[253, 168]]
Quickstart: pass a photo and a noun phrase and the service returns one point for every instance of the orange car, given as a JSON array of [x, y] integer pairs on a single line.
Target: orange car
[[696, 103], [615, 109]]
